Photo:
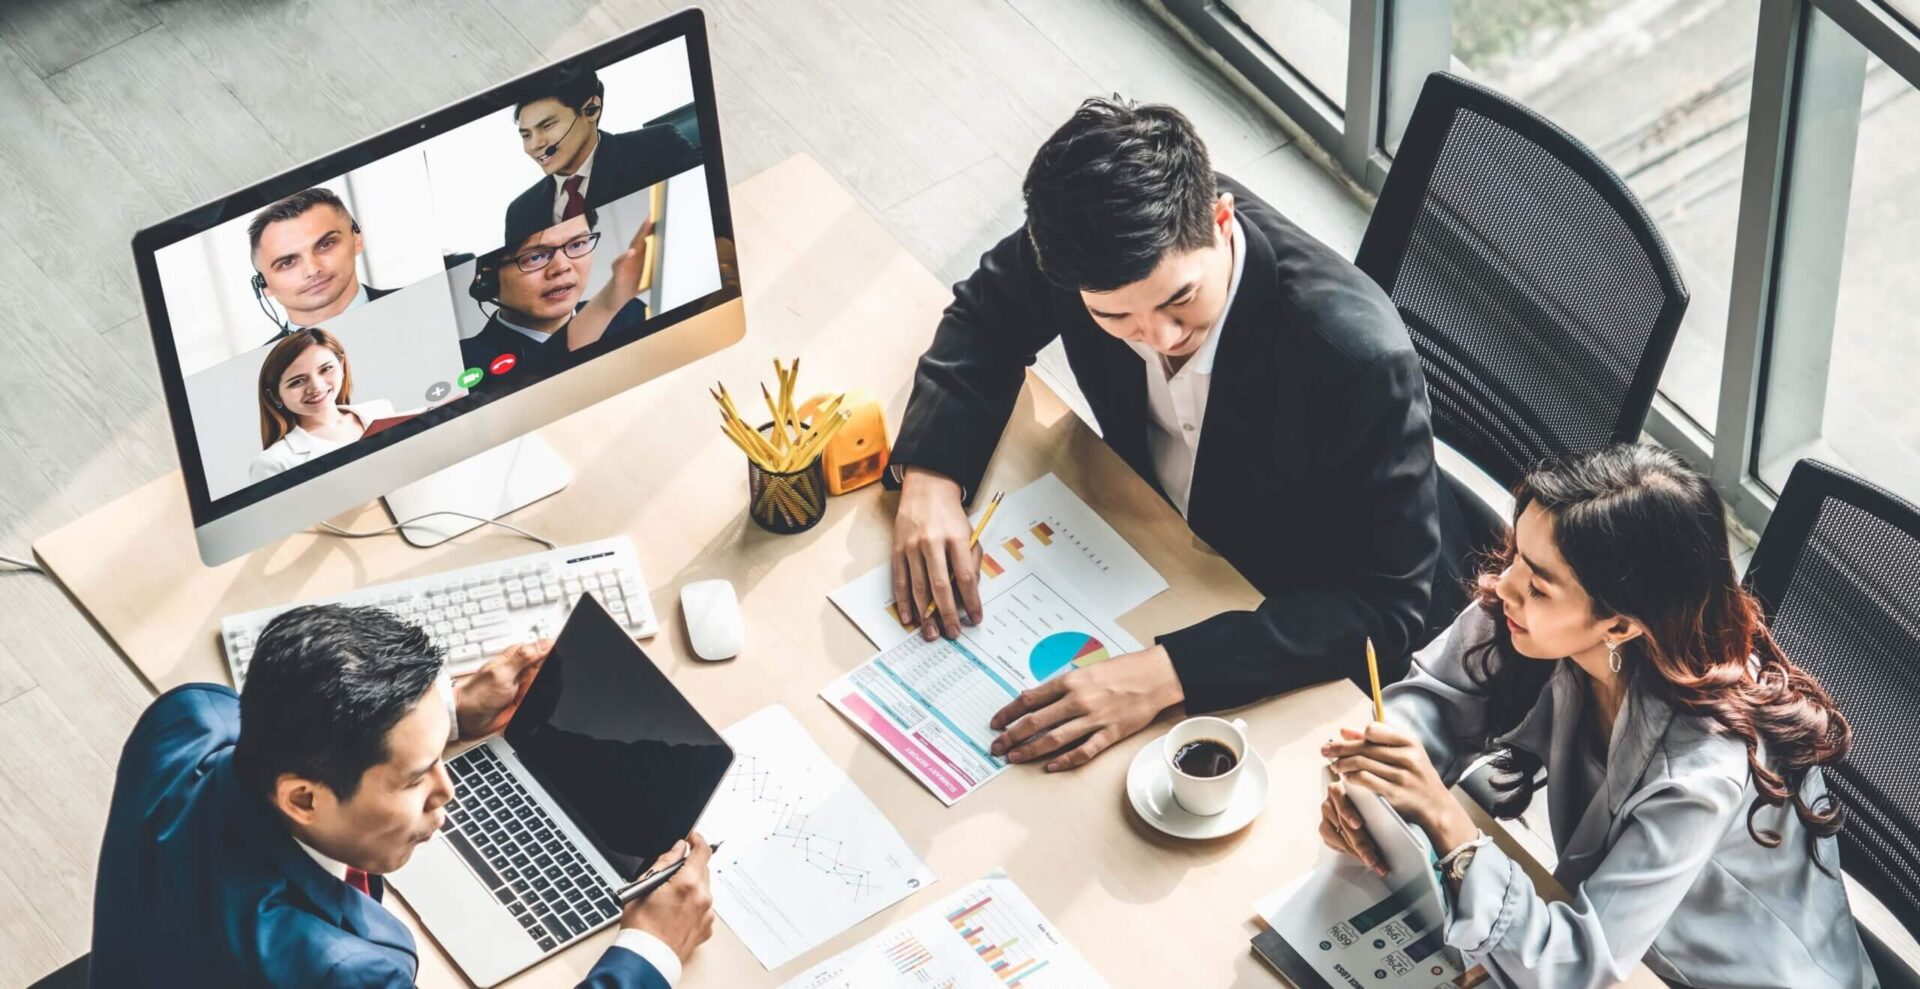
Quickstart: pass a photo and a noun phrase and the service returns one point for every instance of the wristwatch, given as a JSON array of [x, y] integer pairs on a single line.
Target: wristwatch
[[1454, 865]]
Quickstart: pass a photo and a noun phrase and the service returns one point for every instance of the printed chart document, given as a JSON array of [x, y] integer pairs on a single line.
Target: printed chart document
[[807, 855], [1342, 927], [987, 936], [930, 703], [1044, 528]]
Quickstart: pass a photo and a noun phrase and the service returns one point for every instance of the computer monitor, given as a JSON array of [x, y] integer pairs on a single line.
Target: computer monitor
[[380, 321]]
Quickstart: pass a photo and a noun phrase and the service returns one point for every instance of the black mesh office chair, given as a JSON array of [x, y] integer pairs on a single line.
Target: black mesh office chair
[[1838, 571], [1541, 298]]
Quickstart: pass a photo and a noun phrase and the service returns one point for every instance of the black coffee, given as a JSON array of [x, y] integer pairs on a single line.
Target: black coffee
[[1204, 758]]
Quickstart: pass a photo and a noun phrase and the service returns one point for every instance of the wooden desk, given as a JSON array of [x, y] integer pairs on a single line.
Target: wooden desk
[[823, 281]]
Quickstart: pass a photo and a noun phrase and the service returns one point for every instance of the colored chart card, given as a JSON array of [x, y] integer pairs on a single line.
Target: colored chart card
[[1042, 528], [986, 936], [1342, 926], [929, 704], [807, 855]]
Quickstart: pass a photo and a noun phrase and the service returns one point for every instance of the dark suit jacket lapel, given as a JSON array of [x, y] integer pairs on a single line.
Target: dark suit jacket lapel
[[334, 901], [1237, 453]]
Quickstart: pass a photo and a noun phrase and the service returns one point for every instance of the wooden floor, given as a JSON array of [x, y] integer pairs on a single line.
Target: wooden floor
[[116, 113]]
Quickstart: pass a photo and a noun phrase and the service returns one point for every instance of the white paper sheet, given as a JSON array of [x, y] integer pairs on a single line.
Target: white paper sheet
[[1043, 527], [986, 936], [807, 855], [929, 704]]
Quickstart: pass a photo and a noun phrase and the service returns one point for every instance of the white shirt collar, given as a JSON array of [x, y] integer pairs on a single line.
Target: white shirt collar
[[535, 335], [1202, 362], [585, 171], [334, 867]]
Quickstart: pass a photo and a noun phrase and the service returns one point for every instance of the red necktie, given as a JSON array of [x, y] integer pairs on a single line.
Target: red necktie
[[358, 880], [576, 203]]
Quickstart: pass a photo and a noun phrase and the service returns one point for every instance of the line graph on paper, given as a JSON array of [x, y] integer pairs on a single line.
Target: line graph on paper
[[807, 854], [792, 827]]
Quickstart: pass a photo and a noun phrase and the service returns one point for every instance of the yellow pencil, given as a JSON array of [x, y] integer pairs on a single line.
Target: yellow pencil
[[1373, 675], [978, 531]]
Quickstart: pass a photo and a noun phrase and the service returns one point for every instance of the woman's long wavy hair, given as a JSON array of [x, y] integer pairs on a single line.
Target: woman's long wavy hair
[[1646, 537]]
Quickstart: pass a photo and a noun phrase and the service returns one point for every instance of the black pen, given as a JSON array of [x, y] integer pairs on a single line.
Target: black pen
[[650, 881]]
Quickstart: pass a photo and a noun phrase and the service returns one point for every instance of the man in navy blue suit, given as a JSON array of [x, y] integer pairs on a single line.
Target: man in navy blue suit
[[248, 833]]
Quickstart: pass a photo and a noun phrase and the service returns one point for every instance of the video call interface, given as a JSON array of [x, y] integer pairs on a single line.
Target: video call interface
[[468, 265]]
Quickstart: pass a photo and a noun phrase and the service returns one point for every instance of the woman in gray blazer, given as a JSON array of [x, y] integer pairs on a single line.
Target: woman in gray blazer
[[1612, 645]]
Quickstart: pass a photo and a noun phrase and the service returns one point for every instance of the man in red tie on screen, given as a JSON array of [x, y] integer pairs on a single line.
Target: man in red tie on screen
[[559, 115], [248, 834]]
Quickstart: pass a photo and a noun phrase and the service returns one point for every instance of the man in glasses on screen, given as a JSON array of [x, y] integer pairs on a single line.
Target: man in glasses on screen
[[535, 288]]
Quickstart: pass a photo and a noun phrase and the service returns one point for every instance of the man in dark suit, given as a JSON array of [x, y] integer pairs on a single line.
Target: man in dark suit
[[305, 252], [247, 834], [537, 285], [559, 120], [1261, 382]]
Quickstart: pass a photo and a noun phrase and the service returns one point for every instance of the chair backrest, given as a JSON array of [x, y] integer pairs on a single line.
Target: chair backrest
[[1838, 571], [1541, 298]]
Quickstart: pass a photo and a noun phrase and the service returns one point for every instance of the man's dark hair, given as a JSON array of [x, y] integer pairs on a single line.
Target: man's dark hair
[[292, 207], [573, 86], [326, 685], [1113, 190]]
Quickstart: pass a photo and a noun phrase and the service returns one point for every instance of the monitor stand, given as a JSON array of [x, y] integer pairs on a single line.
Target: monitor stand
[[489, 485]]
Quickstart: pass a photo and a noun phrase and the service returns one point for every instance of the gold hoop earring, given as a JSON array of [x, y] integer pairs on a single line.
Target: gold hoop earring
[[1613, 656]]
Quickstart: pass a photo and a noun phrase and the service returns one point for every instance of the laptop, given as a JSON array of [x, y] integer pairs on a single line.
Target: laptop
[[602, 768]]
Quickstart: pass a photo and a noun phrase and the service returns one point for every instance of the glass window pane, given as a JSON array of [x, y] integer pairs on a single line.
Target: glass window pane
[[1660, 91], [1907, 10], [1858, 410], [1309, 35]]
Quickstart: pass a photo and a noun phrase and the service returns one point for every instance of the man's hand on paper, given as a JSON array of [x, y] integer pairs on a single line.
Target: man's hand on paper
[[931, 558], [1393, 764], [1095, 706]]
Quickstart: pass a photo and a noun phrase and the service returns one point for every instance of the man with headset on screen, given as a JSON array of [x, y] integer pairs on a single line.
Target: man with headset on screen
[[559, 119], [535, 284], [305, 253]]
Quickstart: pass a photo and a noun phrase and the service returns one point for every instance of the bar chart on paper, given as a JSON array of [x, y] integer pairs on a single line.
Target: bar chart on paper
[[986, 936], [1043, 528], [931, 704]]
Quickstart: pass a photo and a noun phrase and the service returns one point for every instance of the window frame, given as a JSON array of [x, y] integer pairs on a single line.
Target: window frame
[[1795, 196]]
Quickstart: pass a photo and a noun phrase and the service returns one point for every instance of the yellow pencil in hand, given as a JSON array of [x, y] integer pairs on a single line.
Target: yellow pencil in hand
[[978, 531], [1373, 675]]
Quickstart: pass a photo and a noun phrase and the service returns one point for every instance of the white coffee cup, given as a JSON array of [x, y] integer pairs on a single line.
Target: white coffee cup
[[1205, 796]]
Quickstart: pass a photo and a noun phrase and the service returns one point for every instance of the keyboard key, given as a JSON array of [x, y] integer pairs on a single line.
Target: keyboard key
[[546, 943], [574, 923]]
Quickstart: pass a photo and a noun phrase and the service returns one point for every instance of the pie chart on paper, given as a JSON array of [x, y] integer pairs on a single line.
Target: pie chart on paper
[[1063, 649]]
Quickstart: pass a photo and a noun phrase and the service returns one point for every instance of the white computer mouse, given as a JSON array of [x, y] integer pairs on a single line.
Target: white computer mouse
[[714, 625]]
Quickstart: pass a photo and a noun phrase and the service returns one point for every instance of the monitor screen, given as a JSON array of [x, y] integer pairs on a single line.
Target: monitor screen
[[431, 270], [614, 744]]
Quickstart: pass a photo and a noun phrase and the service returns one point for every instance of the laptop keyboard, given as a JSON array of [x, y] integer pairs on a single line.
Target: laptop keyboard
[[510, 842]]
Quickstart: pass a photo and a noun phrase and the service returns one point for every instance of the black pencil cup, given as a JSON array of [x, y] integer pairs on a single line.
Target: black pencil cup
[[784, 504]]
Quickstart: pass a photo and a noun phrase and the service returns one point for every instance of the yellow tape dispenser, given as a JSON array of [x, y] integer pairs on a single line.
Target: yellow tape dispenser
[[857, 455]]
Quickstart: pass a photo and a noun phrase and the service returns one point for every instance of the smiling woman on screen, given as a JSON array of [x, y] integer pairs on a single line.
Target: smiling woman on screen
[[306, 403]]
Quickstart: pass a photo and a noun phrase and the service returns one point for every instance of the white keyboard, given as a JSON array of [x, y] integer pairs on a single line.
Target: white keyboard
[[476, 613]]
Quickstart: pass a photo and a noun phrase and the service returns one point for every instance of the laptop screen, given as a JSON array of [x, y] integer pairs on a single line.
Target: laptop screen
[[615, 744]]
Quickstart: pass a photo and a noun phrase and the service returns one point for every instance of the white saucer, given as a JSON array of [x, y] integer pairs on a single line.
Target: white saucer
[[1150, 789]]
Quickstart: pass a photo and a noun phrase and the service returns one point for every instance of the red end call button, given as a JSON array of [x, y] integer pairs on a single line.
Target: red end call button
[[502, 364]]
